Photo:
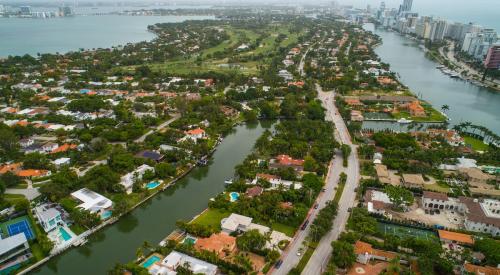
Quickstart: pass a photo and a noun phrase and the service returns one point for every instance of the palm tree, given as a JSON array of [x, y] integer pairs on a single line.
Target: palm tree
[[445, 108]]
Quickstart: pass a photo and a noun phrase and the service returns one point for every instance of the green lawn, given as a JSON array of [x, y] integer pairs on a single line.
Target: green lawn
[[13, 198], [211, 217], [437, 187], [338, 193], [288, 230], [305, 258], [475, 143]]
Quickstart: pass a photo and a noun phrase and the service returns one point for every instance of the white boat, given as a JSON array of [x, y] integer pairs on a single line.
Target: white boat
[[228, 181], [454, 75], [404, 121]]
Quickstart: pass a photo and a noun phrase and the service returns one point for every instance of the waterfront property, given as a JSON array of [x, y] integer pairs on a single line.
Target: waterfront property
[[176, 259], [92, 201], [48, 217], [13, 251]]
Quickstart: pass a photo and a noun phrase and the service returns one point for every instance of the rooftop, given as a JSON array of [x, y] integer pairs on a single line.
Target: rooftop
[[454, 236]]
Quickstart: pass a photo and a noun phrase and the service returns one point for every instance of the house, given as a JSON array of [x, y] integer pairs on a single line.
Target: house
[[385, 80], [25, 142], [461, 163], [195, 134], [413, 180], [365, 253], [416, 109], [451, 136], [49, 147], [285, 161], [441, 201], [12, 168], [449, 237], [92, 201], [357, 115], [299, 84], [176, 259], [481, 270], [481, 216], [14, 250], [235, 223], [276, 182], [382, 173], [229, 111], [33, 173], [377, 202], [49, 218], [61, 162], [254, 191], [152, 155], [63, 148], [221, 244], [475, 177], [128, 180]]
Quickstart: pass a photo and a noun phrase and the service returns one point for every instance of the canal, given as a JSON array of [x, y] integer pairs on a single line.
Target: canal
[[467, 102], [155, 219]]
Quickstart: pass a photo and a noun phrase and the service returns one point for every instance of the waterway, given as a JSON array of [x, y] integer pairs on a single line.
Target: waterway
[[155, 219], [19, 36], [468, 102]]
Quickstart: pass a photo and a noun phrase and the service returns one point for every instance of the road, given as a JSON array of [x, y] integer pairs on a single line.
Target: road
[[319, 259], [29, 193], [158, 128]]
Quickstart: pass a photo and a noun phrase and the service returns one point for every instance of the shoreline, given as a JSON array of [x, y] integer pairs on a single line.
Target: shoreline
[[467, 79]]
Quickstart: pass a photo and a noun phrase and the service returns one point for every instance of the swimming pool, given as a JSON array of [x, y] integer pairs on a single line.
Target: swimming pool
[[150, 261], [106, 214], [190, 240], [64, 234], [233, 196], [153, 185]]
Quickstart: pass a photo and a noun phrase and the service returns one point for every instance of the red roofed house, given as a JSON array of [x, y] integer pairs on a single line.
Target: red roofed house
[[416, 109], [365, 252], [221, 244], [63, 148], [13, 168], [195, 134], [296, 83], [33, 173], [285, 161], [481, 270]]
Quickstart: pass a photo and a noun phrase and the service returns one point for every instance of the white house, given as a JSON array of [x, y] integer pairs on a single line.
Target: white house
[[481, 216], [48, 217], [377, 201], [235, 223], [61, 162], [176, 259], [92, 201], [195, 134], [277, 182], [13, 250], [434, 200], [128, 180]]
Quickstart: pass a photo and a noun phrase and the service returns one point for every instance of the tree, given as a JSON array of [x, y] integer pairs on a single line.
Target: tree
[[36, 161], [251, 240], [85, 218], [102, 179], [399, 196], [343, 254], [362, 222], [164, 170], [9, 143], [346, 152], [490, 248]]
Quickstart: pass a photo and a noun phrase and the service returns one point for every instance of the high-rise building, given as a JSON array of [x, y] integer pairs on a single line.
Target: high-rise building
[[2, 9], [438, 30], [25, 10], [492, 60], [406, 5], [65, 11]]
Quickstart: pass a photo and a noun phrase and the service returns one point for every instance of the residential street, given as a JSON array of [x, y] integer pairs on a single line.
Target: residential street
[[319, 260], [321, 255], [159, 127]]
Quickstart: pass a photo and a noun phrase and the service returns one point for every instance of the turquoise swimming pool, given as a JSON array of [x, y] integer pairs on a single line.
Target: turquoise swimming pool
[[233, 196], [106, 214], [153, 185], [150, 261], [64, 234]]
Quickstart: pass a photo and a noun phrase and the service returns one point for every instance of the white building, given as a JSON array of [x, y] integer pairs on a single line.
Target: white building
[[176, 259], [13, 250], [377, 201], [128, 180], [92, 201], [61, 162], [235, 223], [49, 218], [276, 182], [481, 216]]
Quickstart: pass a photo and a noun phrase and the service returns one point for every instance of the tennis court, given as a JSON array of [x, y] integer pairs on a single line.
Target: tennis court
[[405, 232], [18, 225]]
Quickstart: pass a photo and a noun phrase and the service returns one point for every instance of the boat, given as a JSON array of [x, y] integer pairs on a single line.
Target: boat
[[440, 67], [454, 75], [404, 121], [228, 181]]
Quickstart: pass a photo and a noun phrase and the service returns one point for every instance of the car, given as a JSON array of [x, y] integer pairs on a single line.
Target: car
[[316, 206], [323, 190], [278, 264], [304, 225], [298, 253]]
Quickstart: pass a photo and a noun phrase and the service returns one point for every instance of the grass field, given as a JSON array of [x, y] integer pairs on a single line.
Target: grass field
[[211, 217], [13, 198], [437, 187], [475, 143], [288, 230]]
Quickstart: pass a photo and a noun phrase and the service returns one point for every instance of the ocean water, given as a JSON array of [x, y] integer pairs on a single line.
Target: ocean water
[[19, 36]]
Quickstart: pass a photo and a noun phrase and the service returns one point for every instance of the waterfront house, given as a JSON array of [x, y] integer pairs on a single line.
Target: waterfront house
[[14, 250], [92, 201], [415, 109], [176, 259], [128, 179], [195, 134], [33, 173], [49, 218], [276, 181], [11, 167], [254, 191], [61, 162]]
